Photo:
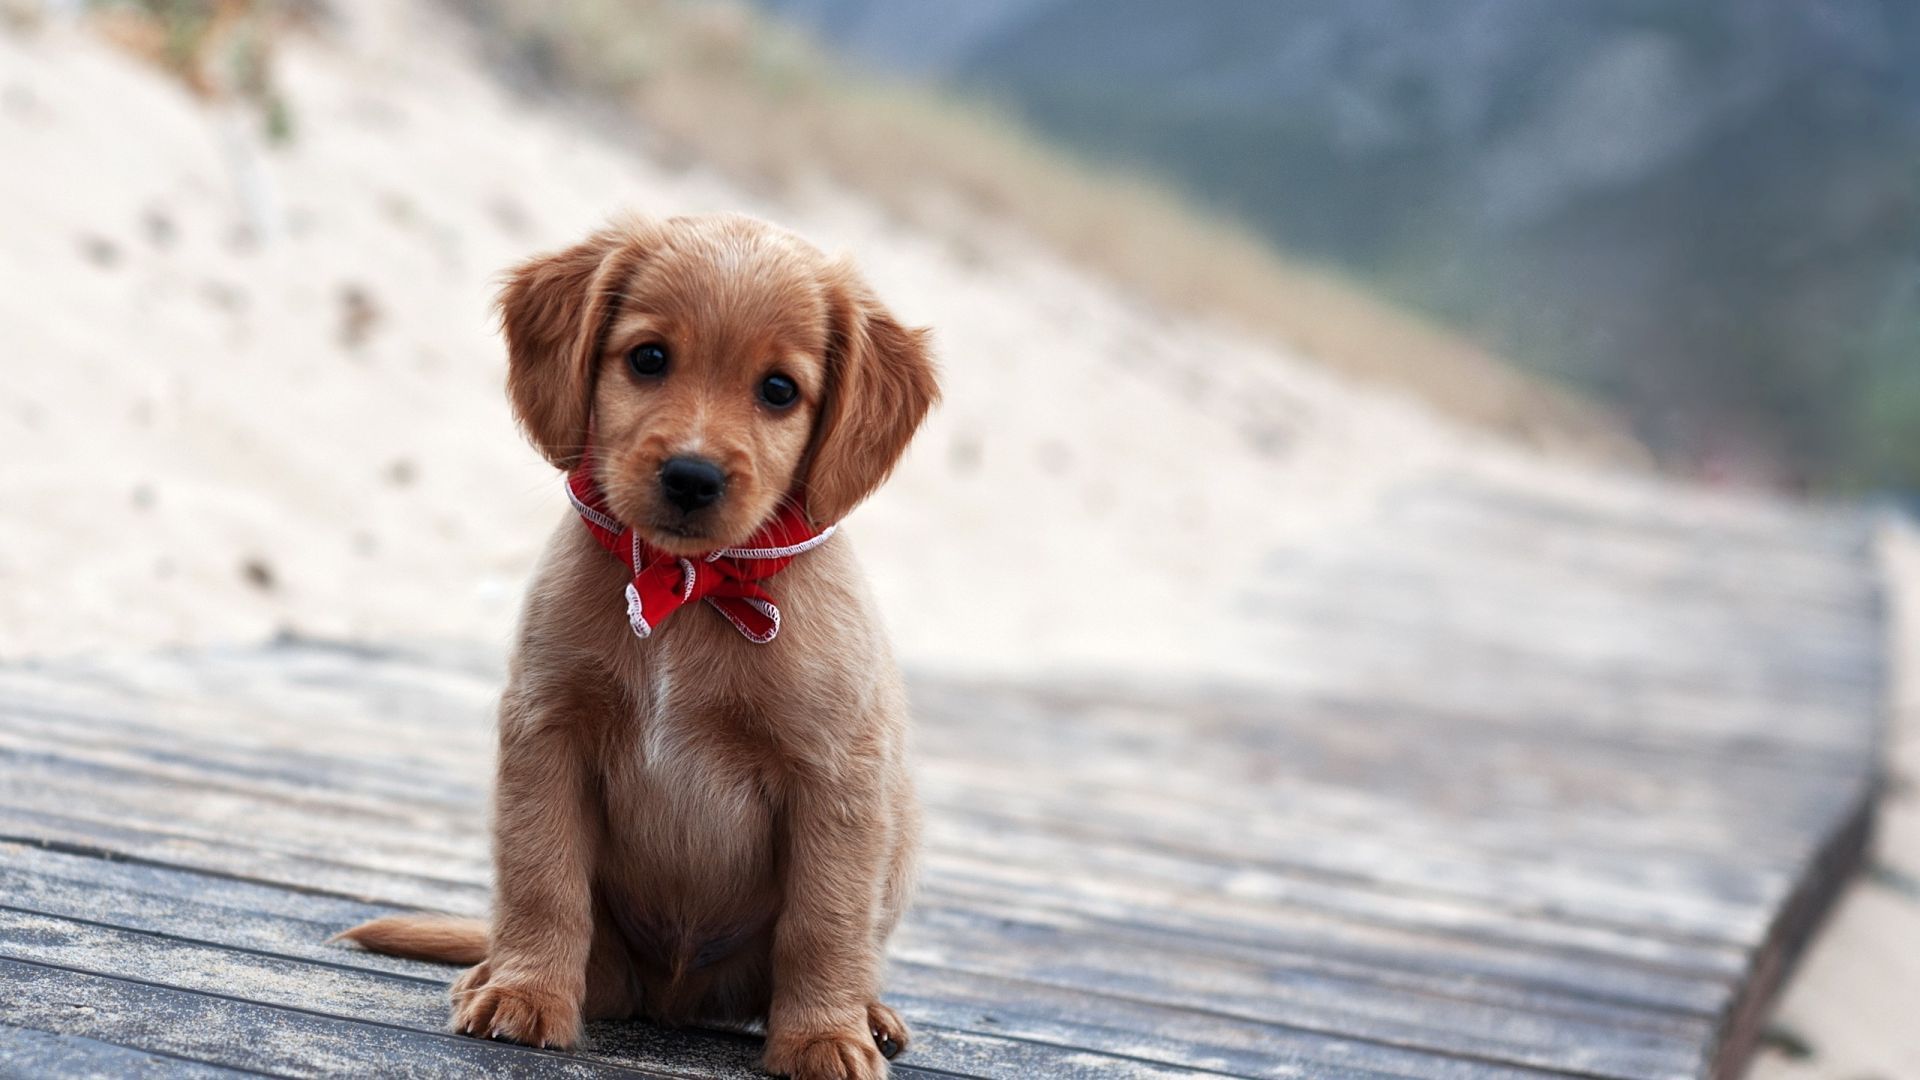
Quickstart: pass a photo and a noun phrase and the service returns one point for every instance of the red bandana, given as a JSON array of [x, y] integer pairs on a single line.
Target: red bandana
[[728, 579]]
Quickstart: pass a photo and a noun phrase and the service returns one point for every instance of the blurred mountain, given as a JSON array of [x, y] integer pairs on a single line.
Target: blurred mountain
[[1708, 213]]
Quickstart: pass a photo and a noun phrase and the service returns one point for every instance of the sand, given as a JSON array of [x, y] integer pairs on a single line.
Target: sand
[[253, 389], [232, 426]]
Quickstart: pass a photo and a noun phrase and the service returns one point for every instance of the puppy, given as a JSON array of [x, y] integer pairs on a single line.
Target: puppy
[[702, 813]]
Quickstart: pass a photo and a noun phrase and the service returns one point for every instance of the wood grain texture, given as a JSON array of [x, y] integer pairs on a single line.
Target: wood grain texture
[[1544, 783]]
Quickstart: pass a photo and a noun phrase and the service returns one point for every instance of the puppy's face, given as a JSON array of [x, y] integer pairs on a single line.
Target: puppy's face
[[720, 367], [707, 385]]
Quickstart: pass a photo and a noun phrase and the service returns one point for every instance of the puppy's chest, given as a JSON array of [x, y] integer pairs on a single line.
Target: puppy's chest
[[697, 771]]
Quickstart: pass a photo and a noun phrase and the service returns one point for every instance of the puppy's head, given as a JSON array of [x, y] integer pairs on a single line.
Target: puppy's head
[[718, 366]]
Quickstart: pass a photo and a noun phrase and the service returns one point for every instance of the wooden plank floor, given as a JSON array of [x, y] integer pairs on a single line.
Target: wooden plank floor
[[1550, 785]]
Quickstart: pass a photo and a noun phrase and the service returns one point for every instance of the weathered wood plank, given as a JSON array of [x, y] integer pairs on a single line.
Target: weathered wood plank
[[124, 765], [344, 992], [1839, 853], [351, 820], [262, 919], [1295, 818], [1366, 1002], [1295, 810], [1581, 551], [238, 1034], [1087, 874], [147, 897], [1543, 784], [360, 842], [1719, 896], [1643, 509], [25, 1052], [1414, 1035]]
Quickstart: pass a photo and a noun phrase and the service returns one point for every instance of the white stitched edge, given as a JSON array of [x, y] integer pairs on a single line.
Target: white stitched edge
[[635, 561], [589, 512], [688, 575], [641, 627], [775, 552], [763, 607]]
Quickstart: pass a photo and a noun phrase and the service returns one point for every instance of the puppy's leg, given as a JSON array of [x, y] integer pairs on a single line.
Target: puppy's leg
[[826, 953], [532, 985], [890, 1033]]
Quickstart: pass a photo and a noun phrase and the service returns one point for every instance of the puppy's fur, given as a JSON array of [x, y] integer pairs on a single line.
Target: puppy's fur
[[692, 828]]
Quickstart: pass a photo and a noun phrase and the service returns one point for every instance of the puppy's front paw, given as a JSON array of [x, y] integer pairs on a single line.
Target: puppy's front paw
[[830, 1055], [889, 1031], [517, 1010]]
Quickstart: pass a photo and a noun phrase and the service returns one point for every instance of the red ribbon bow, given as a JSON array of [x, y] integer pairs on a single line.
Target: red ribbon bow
[[728, 579]]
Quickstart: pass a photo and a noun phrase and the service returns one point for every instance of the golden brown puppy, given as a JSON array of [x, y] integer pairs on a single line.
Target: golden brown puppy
[[694, 827]]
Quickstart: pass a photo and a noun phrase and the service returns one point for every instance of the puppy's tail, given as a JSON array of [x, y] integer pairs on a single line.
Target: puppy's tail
[[446, 939]]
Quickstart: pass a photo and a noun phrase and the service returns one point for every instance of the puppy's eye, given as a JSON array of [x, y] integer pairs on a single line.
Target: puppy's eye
[[778, 391], [648, 360]]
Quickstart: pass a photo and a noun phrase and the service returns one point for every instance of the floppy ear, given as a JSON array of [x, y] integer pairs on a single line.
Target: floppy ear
[[554, 310], [880, 384]]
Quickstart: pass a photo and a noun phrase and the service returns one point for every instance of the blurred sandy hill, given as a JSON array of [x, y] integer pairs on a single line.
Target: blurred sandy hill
[[255, 384], [252, 382]]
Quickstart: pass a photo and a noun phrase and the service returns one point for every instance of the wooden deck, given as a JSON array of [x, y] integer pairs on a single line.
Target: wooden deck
[[1554, 786]]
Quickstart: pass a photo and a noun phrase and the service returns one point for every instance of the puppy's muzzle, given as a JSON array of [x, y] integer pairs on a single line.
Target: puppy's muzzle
[[691, 483]]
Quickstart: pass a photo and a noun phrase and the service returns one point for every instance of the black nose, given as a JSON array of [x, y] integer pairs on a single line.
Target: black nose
[[691, 483]]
